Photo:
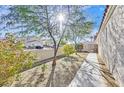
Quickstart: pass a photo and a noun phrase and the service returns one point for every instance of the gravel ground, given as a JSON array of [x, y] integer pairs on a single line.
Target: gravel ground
[[65, 71], [42, 54]]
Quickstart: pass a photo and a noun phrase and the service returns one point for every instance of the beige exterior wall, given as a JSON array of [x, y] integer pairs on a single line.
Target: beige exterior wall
[[110, 42]]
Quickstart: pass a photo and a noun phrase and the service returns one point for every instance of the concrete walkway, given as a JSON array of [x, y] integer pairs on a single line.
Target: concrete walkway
[[89, 74]]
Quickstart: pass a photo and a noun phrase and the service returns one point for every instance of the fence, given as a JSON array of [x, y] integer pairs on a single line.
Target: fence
[[90, 48]]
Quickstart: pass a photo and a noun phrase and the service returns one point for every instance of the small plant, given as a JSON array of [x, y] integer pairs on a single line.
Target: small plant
[[44, 67], [68, 49]]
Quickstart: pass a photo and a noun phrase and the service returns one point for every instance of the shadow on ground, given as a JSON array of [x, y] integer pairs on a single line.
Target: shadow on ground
[[70, 59], [58, 76], [92, 74], [65, 71]]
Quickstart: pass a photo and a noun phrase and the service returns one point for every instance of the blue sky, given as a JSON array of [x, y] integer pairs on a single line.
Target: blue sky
[[92, 12], [95, 13]]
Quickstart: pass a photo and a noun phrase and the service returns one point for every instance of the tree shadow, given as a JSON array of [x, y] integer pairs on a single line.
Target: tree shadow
[[39, 80], [87, 76], [40, 62], [50, 82], [62, 77], [79, 55], [86, 80], [28, 82], [70, 59], [92, 73]]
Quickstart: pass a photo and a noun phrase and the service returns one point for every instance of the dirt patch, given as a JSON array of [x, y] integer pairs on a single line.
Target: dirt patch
[[63, 73]]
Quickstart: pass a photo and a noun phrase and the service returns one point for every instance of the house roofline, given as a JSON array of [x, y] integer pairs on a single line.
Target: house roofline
[[107, 14]]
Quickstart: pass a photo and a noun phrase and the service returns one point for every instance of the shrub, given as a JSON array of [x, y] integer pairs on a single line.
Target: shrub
[[13, 58], [79, 47], [68, 49]]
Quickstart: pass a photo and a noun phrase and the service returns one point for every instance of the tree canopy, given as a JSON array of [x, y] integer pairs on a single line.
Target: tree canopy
[[43, 21]]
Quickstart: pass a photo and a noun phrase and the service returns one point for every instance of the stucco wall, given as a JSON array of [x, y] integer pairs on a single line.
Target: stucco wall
[[111, 42]]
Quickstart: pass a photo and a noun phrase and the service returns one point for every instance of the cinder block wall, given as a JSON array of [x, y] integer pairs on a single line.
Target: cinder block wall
[[110, 41]]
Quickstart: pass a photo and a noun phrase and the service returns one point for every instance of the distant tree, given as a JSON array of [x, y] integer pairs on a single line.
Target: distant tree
[[79, 47], [62, 42], [79, 27]]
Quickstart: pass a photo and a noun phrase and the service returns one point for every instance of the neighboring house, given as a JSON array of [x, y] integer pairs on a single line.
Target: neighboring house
[[33, 44]]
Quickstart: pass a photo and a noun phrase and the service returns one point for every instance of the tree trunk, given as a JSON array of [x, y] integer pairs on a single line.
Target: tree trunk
[[54, 58], [54, 61], [75, 48]]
